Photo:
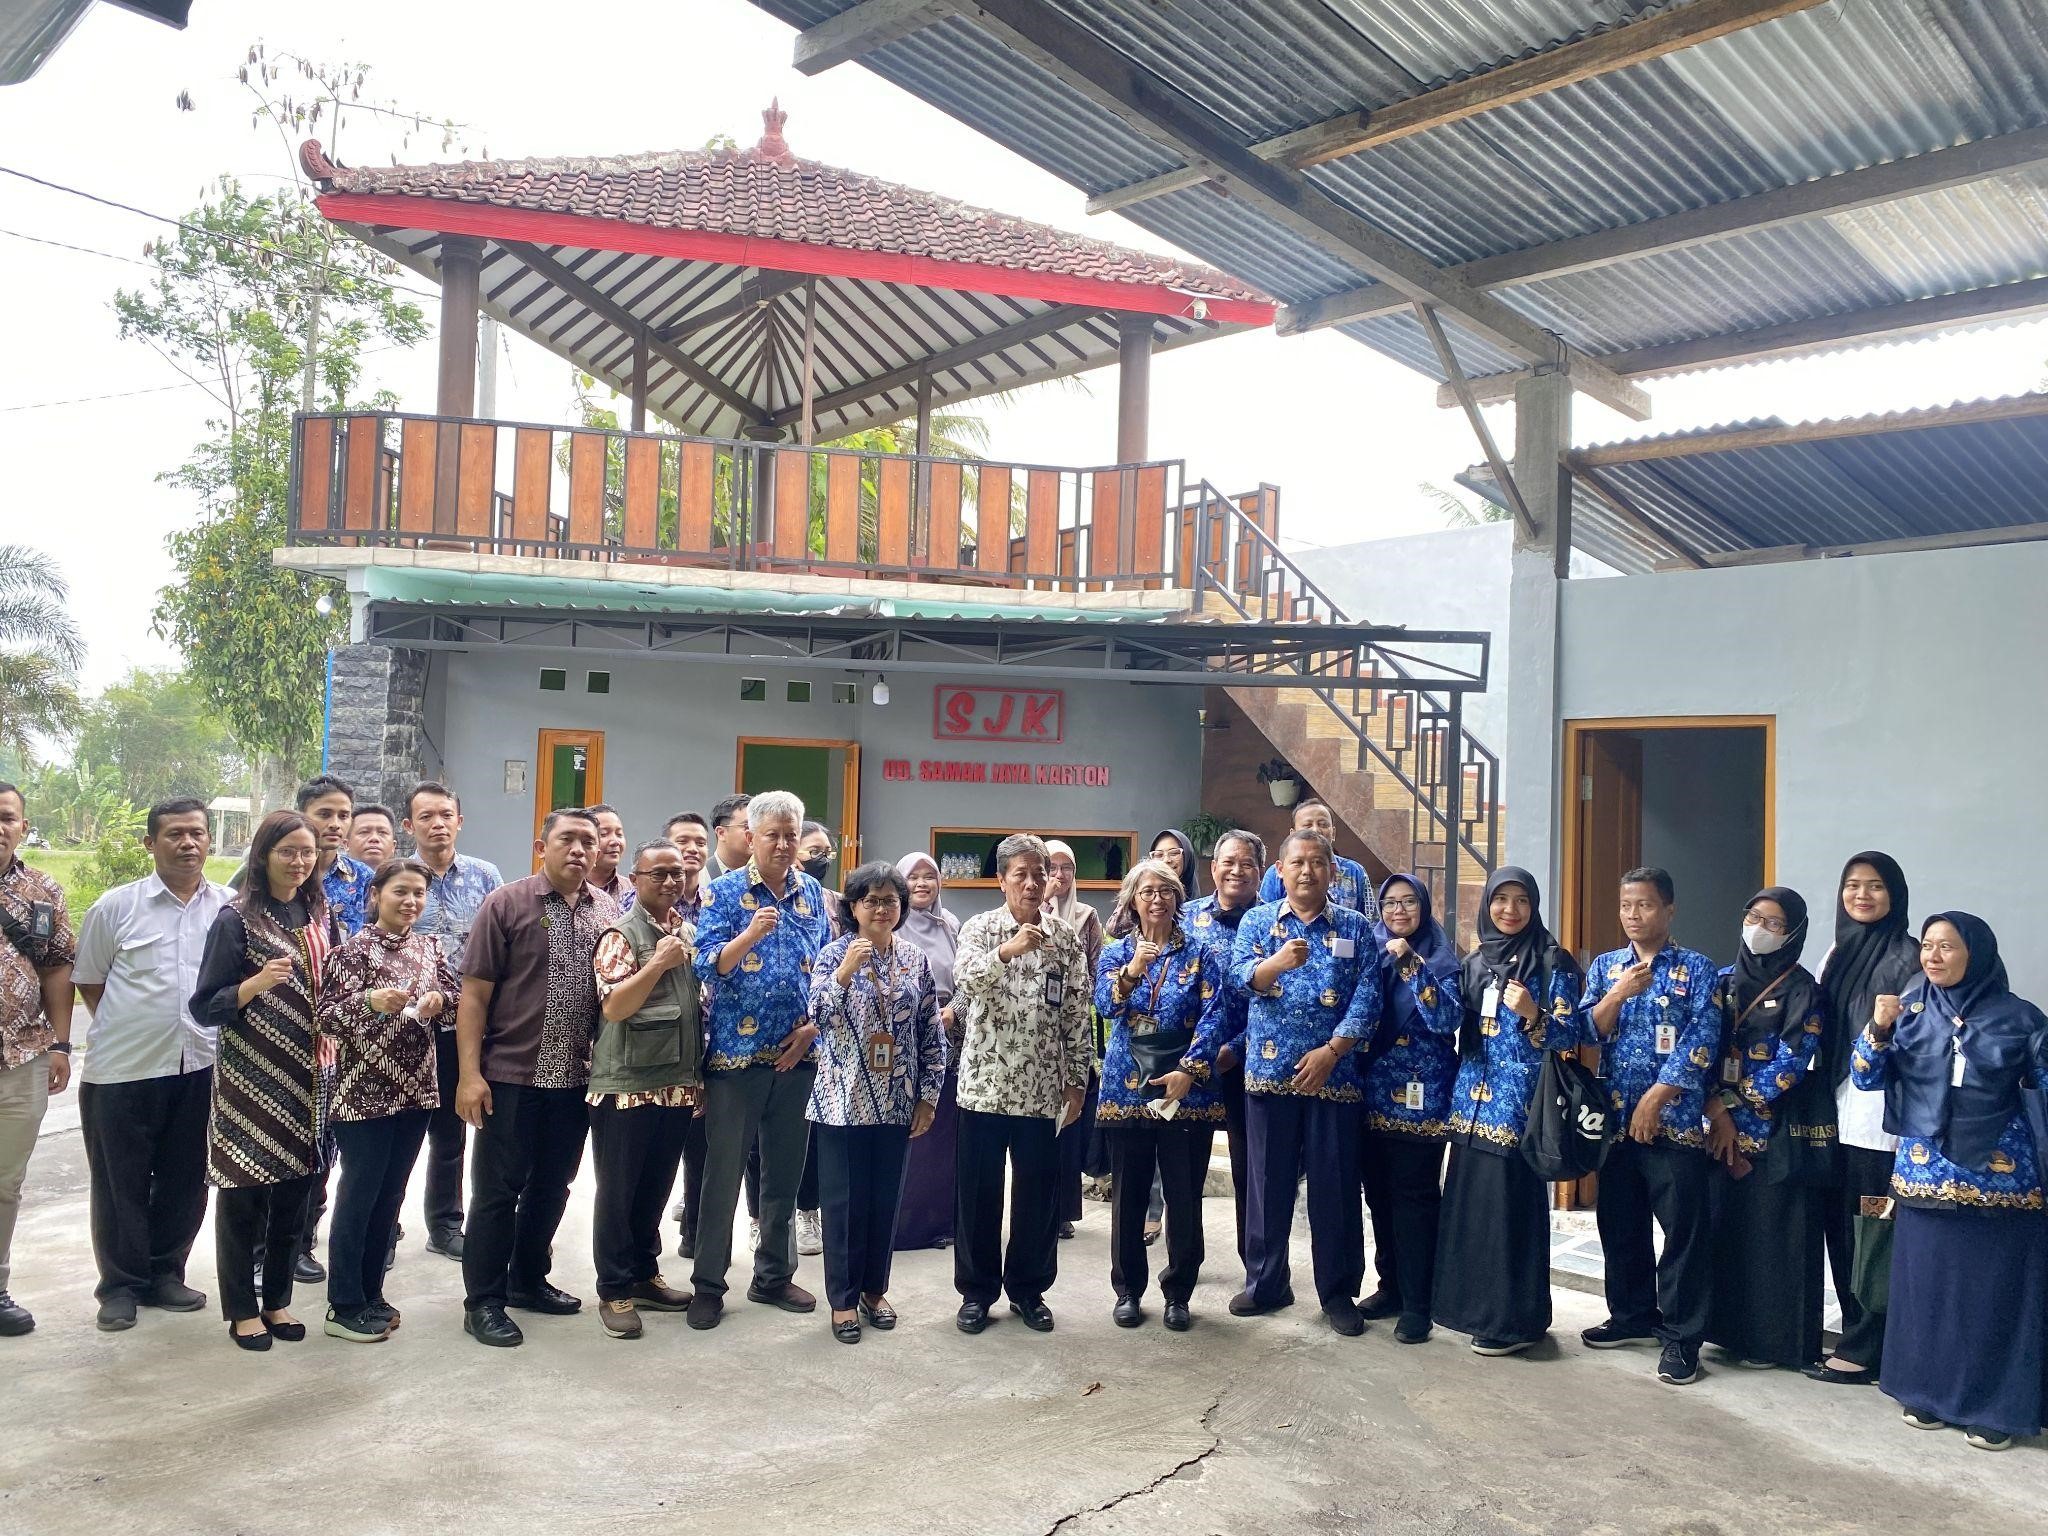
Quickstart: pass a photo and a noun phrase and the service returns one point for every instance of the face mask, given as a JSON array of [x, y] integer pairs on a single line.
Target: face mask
[[816, 868], [1759, 940]]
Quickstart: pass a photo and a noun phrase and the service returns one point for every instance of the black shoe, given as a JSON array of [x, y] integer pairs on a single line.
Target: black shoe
[[1380, 1304], [1485, 1346], [308, 1270], [285, 1333], [552, 1300], [789, 1296], [1920, 1418], [488, 1324], [1036, 1314], [972, 1316], [1862, 1376], [1344, 1317], [1412, 1330], [1679, 1364], [686, 1247], [1244, 1304], [358, 1327], [1177, 1319], [1987, 1439], [1127, 1312], [882, 1318], [447, 1242], [1612, 1335], [252, 1341], [705, 1310], [173, 1296], [384, 1312], [1066, 1229], [117, 1314], [847, 1332]]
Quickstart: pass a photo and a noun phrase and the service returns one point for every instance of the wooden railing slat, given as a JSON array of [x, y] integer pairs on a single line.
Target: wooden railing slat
[[695, 491], [643, 491], [359, 491], [842, 509], [416, 476], [1041, 521], [532, 484], [316, 471], [942, 542], [992, 520], [586, 488], [792, 537], [892, 518], [478, 483]]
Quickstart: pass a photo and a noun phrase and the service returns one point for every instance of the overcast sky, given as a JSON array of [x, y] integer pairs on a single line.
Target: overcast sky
[[1348, 435]]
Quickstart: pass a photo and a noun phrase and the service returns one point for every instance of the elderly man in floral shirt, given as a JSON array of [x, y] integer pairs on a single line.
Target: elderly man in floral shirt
[[1021, 979]]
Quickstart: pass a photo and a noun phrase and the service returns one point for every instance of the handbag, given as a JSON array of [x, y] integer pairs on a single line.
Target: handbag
[[1870, 1267], [1570, 1122], [1157, 1054]]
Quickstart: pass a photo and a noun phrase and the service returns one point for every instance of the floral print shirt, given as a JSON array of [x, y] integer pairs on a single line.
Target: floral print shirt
[[1025, 1022], [384, 1061], [760, 1002], [25, 1029], [451, 907], [1336, 994], [1182, 989], [894, 996], [1668, 1033], [1350, 886], [1408, 1083], [347, 888]]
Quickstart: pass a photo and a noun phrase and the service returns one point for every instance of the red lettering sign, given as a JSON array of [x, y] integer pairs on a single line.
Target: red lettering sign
[[957, 770], [999, 714]]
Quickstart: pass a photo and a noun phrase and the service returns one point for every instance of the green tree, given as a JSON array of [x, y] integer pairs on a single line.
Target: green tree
[[1460, 513], [81, 804], [161, 736], [117, 858], [40, 650]]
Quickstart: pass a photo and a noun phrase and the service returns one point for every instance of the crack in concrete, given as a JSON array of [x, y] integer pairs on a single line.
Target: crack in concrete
[[1215, 1444]]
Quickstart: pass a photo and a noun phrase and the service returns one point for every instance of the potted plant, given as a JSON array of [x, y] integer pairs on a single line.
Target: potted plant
[[1203, 829], [1281, 781]]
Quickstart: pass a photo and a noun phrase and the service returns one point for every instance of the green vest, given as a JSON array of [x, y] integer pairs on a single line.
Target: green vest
[[661, 1046]]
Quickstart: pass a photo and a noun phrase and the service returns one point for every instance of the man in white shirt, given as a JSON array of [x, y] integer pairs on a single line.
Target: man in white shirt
[[148, 1079]]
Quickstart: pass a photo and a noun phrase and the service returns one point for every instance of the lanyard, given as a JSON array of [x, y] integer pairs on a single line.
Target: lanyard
[[1754, 1001], [1157, 971]]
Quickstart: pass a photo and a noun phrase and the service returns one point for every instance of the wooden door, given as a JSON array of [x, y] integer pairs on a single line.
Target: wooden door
[[1610, 841], [568, 770], [819, 773]]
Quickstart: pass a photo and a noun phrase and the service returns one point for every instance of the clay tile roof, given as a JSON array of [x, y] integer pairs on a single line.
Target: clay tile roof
[[766, 192]]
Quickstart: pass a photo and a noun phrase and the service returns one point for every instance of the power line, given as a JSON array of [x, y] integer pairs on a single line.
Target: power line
[[83, 250], [155, 389]]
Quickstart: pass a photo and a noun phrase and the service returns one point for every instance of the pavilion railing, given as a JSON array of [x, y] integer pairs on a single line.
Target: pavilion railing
[[1450, 779], [582, 493]]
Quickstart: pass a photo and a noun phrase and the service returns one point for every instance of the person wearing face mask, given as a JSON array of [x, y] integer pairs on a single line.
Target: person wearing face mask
[[1408, 1074], [1770, 1121], [1350, 886], [814, 852], [380, 996], [1958, 1058], [1874, 955]]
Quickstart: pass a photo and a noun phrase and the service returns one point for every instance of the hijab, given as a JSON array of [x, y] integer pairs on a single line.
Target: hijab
[[1500, 958], [1068, 907], [1868, 959], [1191, 869], [1984, 981], [1793, 989], [1431, 944], [933, 930]]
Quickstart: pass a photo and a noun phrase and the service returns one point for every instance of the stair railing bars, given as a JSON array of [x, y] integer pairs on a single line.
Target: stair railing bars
[[1240, 563]]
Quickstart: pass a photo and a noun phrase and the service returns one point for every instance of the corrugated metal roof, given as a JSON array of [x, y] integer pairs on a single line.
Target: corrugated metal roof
[[1849, 84], [1760, 484]]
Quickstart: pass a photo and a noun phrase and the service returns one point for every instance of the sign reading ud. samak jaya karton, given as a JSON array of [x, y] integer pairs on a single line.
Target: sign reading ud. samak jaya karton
[[1024, 715]]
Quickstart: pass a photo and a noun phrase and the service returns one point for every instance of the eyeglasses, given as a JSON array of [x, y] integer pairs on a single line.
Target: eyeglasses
[[1768, 924], [1401, 904], [660, 876], [1153, 893], [879, 903]]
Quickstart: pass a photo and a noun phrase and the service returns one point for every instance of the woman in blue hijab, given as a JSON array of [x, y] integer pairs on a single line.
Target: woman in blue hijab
[[1958, 1057], [1408, 1073]]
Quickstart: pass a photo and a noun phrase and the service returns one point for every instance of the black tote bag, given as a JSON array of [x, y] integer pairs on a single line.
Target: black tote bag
[[1570, 1121]]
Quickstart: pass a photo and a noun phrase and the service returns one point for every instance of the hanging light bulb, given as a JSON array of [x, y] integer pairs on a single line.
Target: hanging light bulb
[[881, 691], [323, 605]]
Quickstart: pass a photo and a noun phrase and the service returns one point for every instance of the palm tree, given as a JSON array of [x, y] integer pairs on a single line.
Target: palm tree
[[1460, 513], [40, 650]]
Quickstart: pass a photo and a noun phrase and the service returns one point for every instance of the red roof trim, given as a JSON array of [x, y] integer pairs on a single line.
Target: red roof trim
[[452, 218]]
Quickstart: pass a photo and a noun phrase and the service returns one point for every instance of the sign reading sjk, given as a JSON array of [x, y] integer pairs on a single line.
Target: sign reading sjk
[[1035, 715]]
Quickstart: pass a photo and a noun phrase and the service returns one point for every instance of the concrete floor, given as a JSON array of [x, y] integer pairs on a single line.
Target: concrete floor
[[767, 1425]]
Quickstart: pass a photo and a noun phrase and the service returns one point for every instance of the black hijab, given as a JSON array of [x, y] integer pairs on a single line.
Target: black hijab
[[1190, 867], [1526, 957], [1869, 959], [1432, 946], [1793, 988]]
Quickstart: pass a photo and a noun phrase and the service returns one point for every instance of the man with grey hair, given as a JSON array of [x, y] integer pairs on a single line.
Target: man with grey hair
[[762, 927], [1022, 983]]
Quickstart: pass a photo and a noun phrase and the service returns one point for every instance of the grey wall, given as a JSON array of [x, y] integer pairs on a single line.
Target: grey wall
[[671, 729], [1909, 703], [1703, 820]]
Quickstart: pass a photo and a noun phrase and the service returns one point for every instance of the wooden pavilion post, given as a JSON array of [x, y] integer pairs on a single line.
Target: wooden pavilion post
[[455, 381], [921, 508], [640, 381], [807, 425]]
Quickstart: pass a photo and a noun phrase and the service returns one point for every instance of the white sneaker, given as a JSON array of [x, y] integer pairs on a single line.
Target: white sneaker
[[753, 1237], [810, 1232]]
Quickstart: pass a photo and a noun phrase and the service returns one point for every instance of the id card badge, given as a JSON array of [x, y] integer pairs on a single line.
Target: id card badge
[[881, 1052], [1412, 1098], [42, 920], [1343, 948], [1667, 1039], [1489, 1001], [1731, 1069], [1956, 1069], [1055, 990]]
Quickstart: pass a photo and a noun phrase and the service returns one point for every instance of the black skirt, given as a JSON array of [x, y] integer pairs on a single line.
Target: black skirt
[[1493, 1248], [1767, 1257], [1966, 1338]]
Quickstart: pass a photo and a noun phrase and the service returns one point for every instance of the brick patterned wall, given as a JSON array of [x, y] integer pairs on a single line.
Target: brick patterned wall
[[1232, 750]]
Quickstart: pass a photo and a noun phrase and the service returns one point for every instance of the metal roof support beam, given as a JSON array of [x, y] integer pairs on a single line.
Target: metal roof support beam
[[1947, 311], [1685, 445], [1634, 42], [755, 290], [1891, 181], [545, 266], [1051, 39], [1503, 476], [1967, 538], [861, 29], [1619, 505]]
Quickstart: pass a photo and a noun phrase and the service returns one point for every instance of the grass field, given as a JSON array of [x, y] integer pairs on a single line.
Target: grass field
[[63, 864]]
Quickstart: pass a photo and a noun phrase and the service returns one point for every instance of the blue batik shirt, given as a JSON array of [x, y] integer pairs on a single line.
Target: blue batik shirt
[[1349, 887], [1182, 989], [1333, 995], [1497, 1078], [1408, 1084], [760, 1002], [1924, 1176], [347, 887], [1210, 926], [1676, 1011], [1754, 1078], [453, 900]]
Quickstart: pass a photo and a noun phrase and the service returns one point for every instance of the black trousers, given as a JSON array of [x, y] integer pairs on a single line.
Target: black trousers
[[860, 1181], [740, 1107], [983, 1267], [693, 1178], [1286, 1130], [258, 1224], [145, 1142], [1230, 1088], [1179, 1155], [1404, 1193], [806, 1188], [527, 1156], [377, 1157], [1670, 1293], [1073, 1144], [446, 1138], [1864, 1172], [636, 1152]]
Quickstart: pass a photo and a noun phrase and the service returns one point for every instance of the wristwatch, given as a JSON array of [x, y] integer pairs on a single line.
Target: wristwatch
[[61, 1045]]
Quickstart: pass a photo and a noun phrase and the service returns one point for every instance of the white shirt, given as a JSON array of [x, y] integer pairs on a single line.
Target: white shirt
[[1859, 1112], [144, 945]]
